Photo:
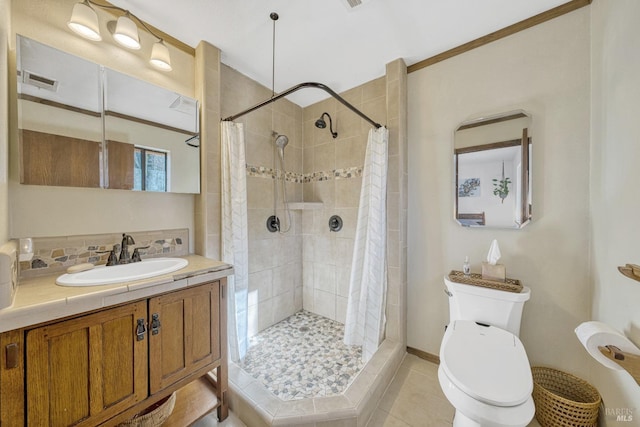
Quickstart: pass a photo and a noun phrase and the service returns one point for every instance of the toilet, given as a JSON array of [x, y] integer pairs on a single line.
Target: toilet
[[484, 370]]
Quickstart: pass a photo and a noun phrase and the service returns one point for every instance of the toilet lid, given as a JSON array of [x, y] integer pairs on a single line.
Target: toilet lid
[[487, 363]]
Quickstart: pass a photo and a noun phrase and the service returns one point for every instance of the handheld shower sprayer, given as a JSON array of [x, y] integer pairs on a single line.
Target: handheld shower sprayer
[[281, 142], [273, 224]]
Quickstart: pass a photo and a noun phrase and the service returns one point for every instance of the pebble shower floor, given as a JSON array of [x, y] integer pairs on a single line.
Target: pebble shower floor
[[302, 357]]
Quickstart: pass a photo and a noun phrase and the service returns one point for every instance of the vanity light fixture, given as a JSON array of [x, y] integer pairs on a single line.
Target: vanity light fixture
[[84, 22]]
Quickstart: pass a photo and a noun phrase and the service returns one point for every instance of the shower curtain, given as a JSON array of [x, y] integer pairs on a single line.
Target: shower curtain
[[235, 235], [368, 284]]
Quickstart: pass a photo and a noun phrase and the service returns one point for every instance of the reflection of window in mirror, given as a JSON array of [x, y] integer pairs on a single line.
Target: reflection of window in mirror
[[150, 170]]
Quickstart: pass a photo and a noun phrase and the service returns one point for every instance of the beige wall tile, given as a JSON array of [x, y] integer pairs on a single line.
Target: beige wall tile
[[350, 152], [324, 304], [348, 192]]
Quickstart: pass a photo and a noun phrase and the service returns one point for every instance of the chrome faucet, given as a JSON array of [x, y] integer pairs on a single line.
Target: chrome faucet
[[125, 257]]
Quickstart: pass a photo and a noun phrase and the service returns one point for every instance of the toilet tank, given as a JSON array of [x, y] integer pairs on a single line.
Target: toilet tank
[[485, 305]]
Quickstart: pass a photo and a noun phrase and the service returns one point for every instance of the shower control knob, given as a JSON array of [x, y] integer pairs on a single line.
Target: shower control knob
[[335, 223], [273, 224]]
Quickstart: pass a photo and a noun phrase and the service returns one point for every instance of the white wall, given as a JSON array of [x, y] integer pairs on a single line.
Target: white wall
[[615, 175], [38, 211], [544, 71]]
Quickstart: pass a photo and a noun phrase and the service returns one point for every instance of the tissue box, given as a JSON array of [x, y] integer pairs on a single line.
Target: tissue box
[[494, 272]]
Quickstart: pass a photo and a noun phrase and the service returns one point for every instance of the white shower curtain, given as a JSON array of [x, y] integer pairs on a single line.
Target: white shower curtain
[[368, 285], [235, 235]]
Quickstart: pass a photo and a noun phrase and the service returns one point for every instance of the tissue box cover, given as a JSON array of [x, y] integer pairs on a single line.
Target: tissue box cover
[[494, 272]]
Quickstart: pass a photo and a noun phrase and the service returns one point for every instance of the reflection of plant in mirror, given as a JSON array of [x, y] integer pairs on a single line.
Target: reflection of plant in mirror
[[501, 187]]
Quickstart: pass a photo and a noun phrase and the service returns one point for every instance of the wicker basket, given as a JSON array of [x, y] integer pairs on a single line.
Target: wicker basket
[[154, 416], [562, 399], [509, 285]]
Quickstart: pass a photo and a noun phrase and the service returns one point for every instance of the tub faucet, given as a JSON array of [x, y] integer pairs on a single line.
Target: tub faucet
[[125, 257]]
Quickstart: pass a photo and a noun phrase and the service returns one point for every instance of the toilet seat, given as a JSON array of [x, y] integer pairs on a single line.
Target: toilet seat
[[487, 363], [483, 414]]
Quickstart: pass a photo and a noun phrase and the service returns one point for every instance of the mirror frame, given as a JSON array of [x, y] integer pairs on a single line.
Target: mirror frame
[[478, 220]]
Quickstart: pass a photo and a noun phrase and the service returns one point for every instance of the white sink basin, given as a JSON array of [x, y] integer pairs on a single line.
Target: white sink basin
[[123, 273]]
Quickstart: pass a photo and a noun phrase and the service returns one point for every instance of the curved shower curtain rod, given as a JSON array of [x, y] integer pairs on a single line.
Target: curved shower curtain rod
[[302, 86]]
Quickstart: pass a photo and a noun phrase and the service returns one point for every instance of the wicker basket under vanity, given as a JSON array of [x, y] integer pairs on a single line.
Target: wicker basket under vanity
[[154, 416], [563, 400]]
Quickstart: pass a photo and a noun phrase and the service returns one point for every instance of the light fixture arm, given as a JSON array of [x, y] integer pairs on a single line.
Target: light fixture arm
[[127, 13]]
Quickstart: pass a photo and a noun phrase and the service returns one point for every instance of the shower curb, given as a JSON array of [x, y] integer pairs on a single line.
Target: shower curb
[[258, 407]]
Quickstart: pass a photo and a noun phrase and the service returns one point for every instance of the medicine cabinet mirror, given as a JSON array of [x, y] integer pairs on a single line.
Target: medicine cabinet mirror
[[83, 125], [492, 162]]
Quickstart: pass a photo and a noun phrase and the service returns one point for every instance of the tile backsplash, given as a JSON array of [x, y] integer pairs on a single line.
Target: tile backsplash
[[55, 254]]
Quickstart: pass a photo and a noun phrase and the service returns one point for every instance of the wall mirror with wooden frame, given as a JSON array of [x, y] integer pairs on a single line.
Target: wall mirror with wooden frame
[[83, 125], [492, 163]]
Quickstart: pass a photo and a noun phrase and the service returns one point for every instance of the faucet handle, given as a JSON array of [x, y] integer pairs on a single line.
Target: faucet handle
[[112, 260], [136, 254]]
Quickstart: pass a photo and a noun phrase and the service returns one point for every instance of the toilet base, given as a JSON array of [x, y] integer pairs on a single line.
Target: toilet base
[[460, 420]]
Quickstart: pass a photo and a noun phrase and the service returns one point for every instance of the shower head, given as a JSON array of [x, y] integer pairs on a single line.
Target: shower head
[[321, 124], [281, 141]]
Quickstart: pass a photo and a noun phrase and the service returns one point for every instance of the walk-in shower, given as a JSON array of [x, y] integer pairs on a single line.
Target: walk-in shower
[[299, 282], [300, 279]]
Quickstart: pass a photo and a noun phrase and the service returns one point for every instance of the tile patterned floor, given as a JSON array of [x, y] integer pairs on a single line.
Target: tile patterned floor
[[413, 399], [302, 357]]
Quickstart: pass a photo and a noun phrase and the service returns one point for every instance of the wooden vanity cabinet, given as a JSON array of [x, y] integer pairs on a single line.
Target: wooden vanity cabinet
[[104, 367], [86, 370]]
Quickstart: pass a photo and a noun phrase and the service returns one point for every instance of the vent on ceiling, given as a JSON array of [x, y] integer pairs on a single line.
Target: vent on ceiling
[[352, 4], [184, 105], [39, 81]]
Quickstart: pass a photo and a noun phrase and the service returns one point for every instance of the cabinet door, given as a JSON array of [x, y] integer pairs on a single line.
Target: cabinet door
[[188, 335], [12, 379], [85, 370]]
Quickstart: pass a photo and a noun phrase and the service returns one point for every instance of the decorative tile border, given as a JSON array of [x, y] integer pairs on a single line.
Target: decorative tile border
[[298, 178], [55, 254], [265, 172]]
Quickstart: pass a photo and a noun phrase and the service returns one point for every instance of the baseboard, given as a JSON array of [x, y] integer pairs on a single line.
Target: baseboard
[[424, 355]]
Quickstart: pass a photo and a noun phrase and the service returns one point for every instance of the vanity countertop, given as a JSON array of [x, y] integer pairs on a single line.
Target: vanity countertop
[[40, 300]]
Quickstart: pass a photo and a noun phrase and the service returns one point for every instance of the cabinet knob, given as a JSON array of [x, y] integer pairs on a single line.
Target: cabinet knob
[[155, 324], [141, 329]]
